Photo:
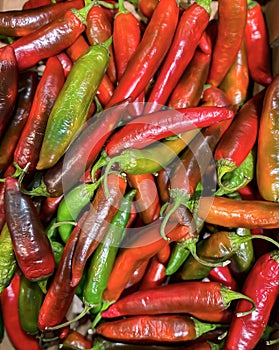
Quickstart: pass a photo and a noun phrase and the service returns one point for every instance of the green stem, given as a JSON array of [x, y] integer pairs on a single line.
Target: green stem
[[98, 317], [272, 342], [229, 295], [121, 7], [206, 4], [40, 191], [83, 12], [237, 240], [203, 327]]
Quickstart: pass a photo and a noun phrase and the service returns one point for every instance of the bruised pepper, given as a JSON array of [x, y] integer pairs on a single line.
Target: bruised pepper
[[71, 108]]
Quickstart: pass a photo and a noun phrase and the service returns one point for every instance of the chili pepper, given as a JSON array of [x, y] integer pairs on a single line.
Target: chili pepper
[[154, 275], [256, 38], [219, 246], [49, 208], [99, 30], [147, 244], [155, 329], [191, 25], [77, 48], [103, 258], [162, 180], [188, 91], [31, 245], [223, 275], [8, 86], [96, 223], [60, 293], [50, 39], [9, 301], [205, 43], [8, 261], [147, 199], [149, 54], [17, 23], [229, 212], [236, 81], [30, 141], [193, 298], [234, 146], [71, 206], [75, 338], [27, 85], [81, 86], [134, 280], [143, 131], [66, 63], [29, 303], [126, 38], [147, 7], [37, 3], [261, 284], [80, 155], [214, 96], [267, 177], [230, 33]]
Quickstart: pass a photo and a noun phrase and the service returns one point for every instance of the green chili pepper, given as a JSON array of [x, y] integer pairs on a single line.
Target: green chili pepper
[[73, 103], [8, 262], [2, 328], [103, 259], [71, 206], [232, 181], [29, 303]]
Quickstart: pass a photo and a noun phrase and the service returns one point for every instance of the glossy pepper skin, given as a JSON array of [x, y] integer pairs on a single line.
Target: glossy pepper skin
[[27, 233], [267, 150], [8, 85], [261, 284], [149, 53], [16, 23]]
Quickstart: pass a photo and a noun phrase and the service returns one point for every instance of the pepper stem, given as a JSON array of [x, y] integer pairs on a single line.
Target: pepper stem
[[206, 4], [107, 172], [237, 240], [272, 342], [229, 295], [121, 7], [203, 327], [105, 305], [40, 191]]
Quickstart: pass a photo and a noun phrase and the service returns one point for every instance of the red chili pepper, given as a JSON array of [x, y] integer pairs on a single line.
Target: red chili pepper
[[205, 43], [262, 285], [50, 39], [49, 208], [192, 24], [66, 63], [8, 85], [31, 245], [188, 91], [76, 339], [78, 47], [16, 23], [98, 30], [149, 54], [27, 86], [230, 33], [143, 131], [9, 172], [126, 38], [148, 243], [222, 274], [37, 3], [154, 275], [147, 7], [147, 199], [214, 96], [60, 293], [256, 39], [31, 138], [9, 303], [96, 223]]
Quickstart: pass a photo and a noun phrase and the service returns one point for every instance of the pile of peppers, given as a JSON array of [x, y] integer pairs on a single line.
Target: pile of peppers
[[139, 176]]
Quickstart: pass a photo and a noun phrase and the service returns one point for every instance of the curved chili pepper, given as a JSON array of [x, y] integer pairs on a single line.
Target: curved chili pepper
[[17, 23], [154, 274], [8, 263], [60, 293], [191, 25], [9, 301], [96, 223], [234, 146], [99, 30], [261, 284], [188, 91], [223, 275], [31, 245], [126, 38], [236, 81], [103, 258], [81, 87], [66, 63], [31, 138], [50, 39], [76, 339], [8, 85], [147, 199], [155, 329], [236, 213], [267, 165], [30, 299], [149, 53], [147, 244], [256, 39], [147, 7], [194, 298], [27, 86], [230, 33], [143, 131]]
